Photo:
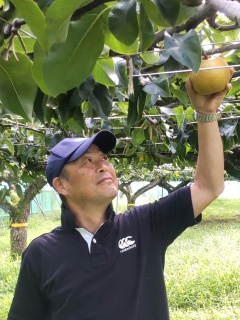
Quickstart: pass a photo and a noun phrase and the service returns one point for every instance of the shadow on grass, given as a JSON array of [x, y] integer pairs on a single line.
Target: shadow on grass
[[221, 220]]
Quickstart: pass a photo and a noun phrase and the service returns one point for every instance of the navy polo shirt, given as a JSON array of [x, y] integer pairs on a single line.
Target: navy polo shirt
[[121, 279]]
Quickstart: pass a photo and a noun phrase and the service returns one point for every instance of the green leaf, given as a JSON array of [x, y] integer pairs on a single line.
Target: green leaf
[[153, 13], [6, 144], [235, 87], [169, 10], [75, 126], [137, 136], [179, 113], [150, 57], [86, 88], [181, 95], [104, 72], [122, 21], [186, 49], [132, 116], [159, 87], [181, 143], [130, 150], [3, 193], [121, 70], [136, 104], [17, 87], [101, 101], [37, 68], [70, 63], [146, 33], [58, 16], [28, 43], [228, 128], [185, 13], [30, 12], [141, 103], [118, 46]]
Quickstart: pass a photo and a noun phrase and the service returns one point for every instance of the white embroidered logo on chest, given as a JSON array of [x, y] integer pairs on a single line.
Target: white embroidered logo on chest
[[126, 244]]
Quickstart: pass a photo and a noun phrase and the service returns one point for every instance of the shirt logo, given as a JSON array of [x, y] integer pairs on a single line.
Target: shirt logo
[[126, 244]]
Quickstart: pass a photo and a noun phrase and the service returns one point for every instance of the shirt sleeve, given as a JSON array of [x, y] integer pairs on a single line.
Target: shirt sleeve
[[171, 215], [28, 302]]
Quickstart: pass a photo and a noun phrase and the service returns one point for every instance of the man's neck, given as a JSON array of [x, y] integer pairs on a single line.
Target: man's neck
[[90, 218]]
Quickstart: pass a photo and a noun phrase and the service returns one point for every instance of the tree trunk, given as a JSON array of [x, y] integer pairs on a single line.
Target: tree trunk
[[18, 238], [19, 214], [18, 234]]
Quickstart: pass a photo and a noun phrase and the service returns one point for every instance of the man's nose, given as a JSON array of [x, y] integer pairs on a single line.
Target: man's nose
[[101, 166]]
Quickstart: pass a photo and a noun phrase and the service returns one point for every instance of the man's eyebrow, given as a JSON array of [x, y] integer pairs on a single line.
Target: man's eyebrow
[[90, 152]]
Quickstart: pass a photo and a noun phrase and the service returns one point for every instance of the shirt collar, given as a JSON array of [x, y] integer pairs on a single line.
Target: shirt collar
[[68, 219]]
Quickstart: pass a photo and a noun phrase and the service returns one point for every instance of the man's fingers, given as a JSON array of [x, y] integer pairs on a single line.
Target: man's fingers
[[226, 89]]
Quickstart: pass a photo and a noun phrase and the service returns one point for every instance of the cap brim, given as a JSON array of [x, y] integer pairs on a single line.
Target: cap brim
[[104, 139]]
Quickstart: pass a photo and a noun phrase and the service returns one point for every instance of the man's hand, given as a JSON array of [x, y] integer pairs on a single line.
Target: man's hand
[[206, 104]]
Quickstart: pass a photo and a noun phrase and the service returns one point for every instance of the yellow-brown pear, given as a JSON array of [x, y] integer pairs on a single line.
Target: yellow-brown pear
[[213, 80]]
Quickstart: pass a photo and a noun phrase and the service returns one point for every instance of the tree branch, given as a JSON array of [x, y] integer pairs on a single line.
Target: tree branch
[[231, 9], [213, 24], [204, 11]]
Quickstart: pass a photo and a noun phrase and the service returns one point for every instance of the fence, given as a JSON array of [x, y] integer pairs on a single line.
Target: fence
[[45, 202]]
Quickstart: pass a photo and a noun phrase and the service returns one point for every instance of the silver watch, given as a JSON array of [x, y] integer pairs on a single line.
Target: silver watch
[[202, 117]]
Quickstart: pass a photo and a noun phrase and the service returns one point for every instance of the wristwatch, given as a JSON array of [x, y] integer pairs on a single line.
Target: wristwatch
[[203, 117]]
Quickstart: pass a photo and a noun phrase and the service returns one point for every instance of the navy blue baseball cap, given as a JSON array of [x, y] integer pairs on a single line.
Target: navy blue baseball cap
[[70, 149]]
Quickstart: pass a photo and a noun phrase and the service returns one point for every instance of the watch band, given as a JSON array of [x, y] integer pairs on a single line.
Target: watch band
[[202, 117]]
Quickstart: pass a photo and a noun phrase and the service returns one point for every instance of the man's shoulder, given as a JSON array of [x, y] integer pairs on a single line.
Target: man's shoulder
[[45, 240]]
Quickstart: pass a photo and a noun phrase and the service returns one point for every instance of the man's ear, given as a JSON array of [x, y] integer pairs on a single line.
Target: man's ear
[[59, 186]]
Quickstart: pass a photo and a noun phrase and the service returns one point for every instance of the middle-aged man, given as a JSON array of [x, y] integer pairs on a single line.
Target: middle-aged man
[[102, 266]]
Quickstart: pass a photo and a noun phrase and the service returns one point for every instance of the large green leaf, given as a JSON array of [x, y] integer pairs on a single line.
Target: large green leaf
[[104, 72], [186, 48], [122, 21], [30, 12], [17, 87], [70, 63], [58, 17], [37, 68], [146, 30]]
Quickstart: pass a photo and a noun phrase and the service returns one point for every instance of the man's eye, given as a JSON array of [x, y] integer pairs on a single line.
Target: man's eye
[[105, 158]]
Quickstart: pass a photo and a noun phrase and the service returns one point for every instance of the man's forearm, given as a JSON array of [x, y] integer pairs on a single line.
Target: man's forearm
[[210, 164], [209, 178]]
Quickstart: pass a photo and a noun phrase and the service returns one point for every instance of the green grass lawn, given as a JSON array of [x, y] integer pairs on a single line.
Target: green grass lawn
[[202, 265]]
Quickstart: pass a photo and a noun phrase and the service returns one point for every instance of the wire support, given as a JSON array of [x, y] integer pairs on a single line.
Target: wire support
[[183, 71]]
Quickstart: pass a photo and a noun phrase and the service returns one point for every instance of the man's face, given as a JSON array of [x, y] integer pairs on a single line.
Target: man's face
[[90, 178]]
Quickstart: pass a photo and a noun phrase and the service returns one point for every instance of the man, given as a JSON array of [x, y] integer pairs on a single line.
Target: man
[[102, 266]]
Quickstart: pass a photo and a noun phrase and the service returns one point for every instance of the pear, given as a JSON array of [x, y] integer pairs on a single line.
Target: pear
[[213, 80]]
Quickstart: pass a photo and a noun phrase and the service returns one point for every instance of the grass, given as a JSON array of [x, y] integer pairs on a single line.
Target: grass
[[8, 268], [202, 265]]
